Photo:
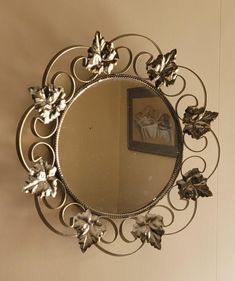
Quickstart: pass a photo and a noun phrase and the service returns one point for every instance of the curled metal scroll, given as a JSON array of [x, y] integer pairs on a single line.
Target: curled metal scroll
[[88, 228]]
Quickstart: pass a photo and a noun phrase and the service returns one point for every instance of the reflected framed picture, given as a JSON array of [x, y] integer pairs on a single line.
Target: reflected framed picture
[[151, 126]]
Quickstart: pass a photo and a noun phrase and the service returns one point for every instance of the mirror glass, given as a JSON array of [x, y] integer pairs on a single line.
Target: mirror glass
[[118, 145]]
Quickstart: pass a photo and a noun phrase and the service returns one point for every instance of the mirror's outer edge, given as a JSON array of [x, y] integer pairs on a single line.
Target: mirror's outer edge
[[179, 139]]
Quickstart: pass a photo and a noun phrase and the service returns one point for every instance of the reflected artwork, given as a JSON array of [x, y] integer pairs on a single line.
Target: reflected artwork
[[151, 126]]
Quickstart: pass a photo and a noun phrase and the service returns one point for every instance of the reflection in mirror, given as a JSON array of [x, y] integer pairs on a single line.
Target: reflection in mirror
[[118, 145]]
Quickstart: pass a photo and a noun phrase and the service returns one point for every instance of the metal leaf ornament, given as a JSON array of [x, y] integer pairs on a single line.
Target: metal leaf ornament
[[149, 228], [197, 121], [42, 181], [89, 229], [49, 101], [102, 56], [163, 70], [193, 185]]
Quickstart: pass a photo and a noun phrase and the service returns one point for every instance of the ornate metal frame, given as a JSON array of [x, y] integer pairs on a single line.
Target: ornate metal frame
[[45, 181]]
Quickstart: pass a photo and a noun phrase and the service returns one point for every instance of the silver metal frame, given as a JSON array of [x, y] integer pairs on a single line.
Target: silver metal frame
[[45, 179]]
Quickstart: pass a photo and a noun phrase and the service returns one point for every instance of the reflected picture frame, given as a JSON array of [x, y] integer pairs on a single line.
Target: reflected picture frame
[[151, 125]]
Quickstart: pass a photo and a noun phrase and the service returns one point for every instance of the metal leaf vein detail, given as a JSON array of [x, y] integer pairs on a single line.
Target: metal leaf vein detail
[[197, 121], [89, 229], [149, 228], [42, 181], [102, 56], [49, 101], [193, 185], [163, 70]]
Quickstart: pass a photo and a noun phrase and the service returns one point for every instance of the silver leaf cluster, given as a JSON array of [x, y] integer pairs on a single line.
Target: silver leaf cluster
[[102, 56], [89, 229], [49, 101], [149, 228], [41, 181], [193, 185], [163, 70]]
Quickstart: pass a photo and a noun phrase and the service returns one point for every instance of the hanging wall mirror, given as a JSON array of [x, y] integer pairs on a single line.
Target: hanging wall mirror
[[115, 144]]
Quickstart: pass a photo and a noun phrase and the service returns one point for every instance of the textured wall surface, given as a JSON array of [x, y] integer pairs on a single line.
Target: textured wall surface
[[33, 31]]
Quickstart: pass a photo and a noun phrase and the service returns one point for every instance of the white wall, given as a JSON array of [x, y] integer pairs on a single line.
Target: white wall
[[31, 32]]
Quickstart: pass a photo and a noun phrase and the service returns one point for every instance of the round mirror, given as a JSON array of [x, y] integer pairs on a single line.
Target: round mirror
[[119, 145]]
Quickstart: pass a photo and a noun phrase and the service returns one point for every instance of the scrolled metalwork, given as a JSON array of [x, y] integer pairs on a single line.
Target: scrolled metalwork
[[172, 205], [173, 209], [121, 231], [135, 62], [41, 143], [196, 150], [114, 226], [179, 92], [74, 71], [187, 224], [46, 221], [168, 209], [60, 186], [65, 208], [35, 130], [45, 181], [128, 64], [180, 99], [69, 96]]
